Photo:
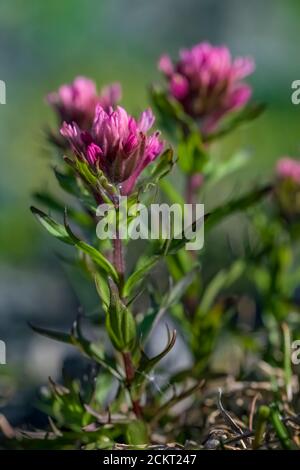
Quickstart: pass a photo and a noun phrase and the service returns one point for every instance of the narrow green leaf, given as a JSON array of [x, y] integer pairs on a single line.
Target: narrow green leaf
[[103, 290], [77, 339], [120, 323], [54, 204], [54, 228], [247, 114], [147, 364], [171, 298], [171, 192], [214, 173], [94, 254], [139, 274], [67, 182], [92, 350], [280, 429], [173, 245], [287, 347], [65, 234], [242, 203], [164, 165], [263, 417], [56, 335], [222, 280]]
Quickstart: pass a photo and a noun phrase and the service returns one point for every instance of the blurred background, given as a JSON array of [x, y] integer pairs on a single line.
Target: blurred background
[[44, 44]]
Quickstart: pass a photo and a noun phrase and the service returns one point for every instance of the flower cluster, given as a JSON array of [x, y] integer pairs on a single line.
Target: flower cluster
[[77, 101], [208, 82], [117, 144]]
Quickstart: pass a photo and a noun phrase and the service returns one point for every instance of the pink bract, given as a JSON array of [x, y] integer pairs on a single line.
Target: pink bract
[[118, 144]]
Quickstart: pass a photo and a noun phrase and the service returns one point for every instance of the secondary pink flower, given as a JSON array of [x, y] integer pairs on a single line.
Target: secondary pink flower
[[77, 101], [288, 168], [117, 144], [208, 82], [287, 188]]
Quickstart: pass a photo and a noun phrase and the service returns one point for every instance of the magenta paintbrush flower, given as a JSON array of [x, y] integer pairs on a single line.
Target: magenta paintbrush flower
[[288, 168], [287, 188], [208, 82], [77, 101], [117, 144]]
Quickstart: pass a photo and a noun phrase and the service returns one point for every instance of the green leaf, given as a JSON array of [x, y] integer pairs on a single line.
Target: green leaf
[[173, 245], [240, 204], [179, 264], [164, 165], [52, 203], [76, 338], [95, 181], [139, 274], [280, 429], [215, 172], [65, 234], [92, 350], [103, 290], [84, 170], [94, 254], [177, 291], [287, 365], [67, 182], [246, 201], [137, 433], [171, 298], [56, 335], [222, 280], [169, 110], [45, 198], [171, 192], [192, 154], [120, 323], [54, 228], [248, 113], [163, 410], [263, 417], [147, 364]]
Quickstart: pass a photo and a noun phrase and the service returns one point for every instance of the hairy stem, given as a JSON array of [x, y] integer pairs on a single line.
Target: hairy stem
[[129, 368], [130, 373], [193, 183], [119, 263], [118, 258]]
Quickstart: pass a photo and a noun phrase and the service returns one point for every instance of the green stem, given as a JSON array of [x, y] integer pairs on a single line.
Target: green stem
[[263, 416], [119, 263]]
